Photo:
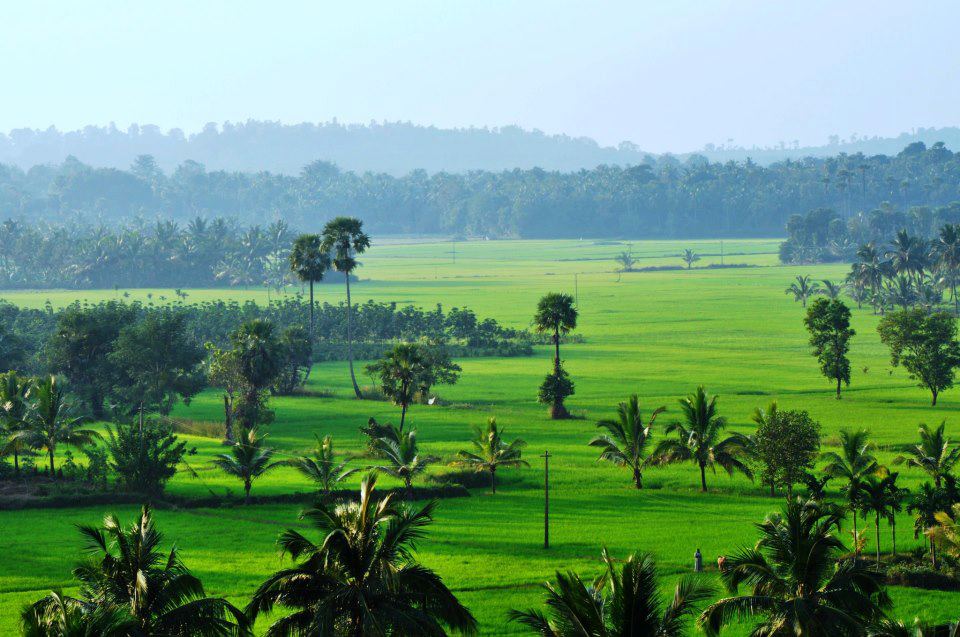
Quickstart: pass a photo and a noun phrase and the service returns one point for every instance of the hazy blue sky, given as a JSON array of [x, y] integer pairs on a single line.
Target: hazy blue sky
[[665, 75]]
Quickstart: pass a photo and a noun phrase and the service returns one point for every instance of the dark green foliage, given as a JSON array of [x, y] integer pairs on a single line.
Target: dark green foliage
[[925, 344], [260, 358], [158, 362], [80, 348], [297, 358], [828, 321], [411, 369], [127, 578], [785, 446], [144, 458], [554, 390], [794, 579], [360, 578], [625, 600]]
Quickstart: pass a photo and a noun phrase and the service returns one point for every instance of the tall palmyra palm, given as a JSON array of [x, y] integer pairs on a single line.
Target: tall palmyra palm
[[49, 420], [491, 452], [803, 289], [555, 314], [625, 600], [360, 578], [698, 439], [870, 270], [249, 458], [853, 464], [934, 454], [344, 239], [309, 262], [129, 577], [627, 437], [797, 585]]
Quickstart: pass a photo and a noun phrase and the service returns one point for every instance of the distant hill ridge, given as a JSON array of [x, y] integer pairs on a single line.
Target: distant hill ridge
[[396, 148]]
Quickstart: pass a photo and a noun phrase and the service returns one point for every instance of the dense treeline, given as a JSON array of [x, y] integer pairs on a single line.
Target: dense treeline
[[26, 333], [141, 254], [662, 197]]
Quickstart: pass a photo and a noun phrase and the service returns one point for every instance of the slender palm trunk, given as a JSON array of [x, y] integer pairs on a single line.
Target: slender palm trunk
[[312, 321], [52, 470], [637, 476], [893, 532], [703, 478], [854, 511], [246, 491], [353, 376], [933, 403], [493, 480], [227, 418], [556, 357], [16, 461], [877, 525], [933, 553], [403, 415]]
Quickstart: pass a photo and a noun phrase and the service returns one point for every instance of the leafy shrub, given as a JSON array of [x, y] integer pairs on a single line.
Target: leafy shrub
[[144, 458]]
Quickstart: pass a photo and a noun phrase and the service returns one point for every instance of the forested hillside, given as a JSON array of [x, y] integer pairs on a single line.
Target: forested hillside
[[658, 198]]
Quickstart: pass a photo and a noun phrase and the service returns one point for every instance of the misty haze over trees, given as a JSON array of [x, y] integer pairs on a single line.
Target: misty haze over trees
[[396, 148], [661, 198]]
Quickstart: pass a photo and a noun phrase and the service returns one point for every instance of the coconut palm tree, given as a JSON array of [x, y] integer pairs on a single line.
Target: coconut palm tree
[[698, 439], [853, 464], [625, 442], [344, 238], [803, 289], [556, 314], [797, 586], [933, 454], [908, 255], [57, 615], [870, 269], [49, 421], [875, 497], [625, 600], [831, 290], [946, 251], [946, 532], [927, 501], [690, 257], [403, 459], [491, 452], [360, 578], [14, 394], [248, 459], [126, 570], [322, 467], [309, 262]]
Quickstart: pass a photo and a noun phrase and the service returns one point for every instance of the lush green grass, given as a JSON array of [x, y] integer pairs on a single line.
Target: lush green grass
[[655, 333]]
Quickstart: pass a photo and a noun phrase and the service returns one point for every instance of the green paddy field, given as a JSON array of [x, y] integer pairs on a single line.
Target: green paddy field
[[658, 334]]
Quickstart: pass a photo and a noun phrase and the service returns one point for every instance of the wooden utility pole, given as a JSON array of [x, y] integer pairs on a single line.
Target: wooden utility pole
[[546, 499]]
